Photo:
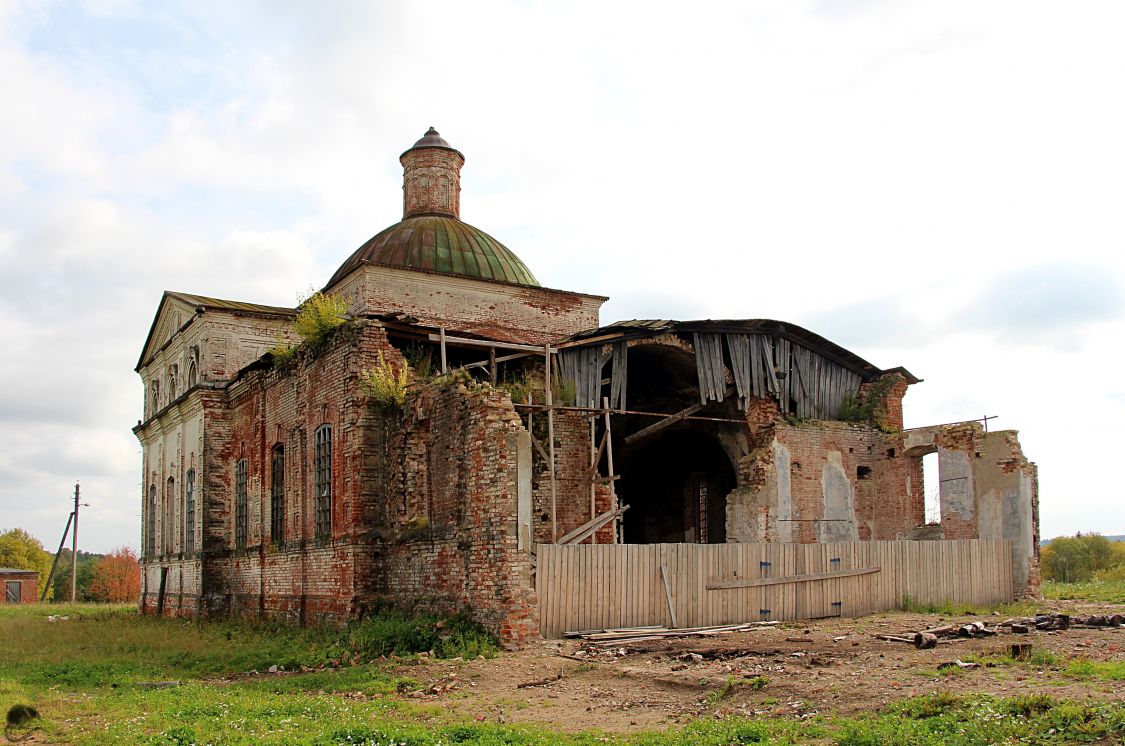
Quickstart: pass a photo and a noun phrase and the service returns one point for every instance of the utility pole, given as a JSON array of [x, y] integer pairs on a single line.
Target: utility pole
[[74, 551]]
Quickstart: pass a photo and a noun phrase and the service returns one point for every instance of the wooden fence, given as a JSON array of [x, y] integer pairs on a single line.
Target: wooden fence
[[586, 586]]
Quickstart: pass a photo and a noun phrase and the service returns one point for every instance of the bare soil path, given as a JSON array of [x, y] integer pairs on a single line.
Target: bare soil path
[[833, 666]]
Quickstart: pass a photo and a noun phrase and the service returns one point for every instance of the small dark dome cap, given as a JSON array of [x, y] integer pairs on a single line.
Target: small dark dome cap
[[432, 139]]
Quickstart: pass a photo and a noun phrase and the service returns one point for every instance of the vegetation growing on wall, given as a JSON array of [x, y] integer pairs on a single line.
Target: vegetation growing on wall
[[317, 316], [384, 384], [869, 404]]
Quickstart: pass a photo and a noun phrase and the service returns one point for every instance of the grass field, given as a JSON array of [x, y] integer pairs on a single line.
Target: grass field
[[96, 679], [1109, 591]]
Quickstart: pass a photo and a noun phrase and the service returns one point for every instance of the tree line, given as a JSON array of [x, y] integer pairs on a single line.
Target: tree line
[[1082, 558], [107, 578]]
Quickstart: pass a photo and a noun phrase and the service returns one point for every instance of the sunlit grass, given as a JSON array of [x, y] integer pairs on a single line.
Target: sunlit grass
[[1110, 591]]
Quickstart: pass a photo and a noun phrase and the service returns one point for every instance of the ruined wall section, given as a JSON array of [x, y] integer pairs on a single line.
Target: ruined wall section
[[451, 466], [988, 490], [816, 481], [495, 310]]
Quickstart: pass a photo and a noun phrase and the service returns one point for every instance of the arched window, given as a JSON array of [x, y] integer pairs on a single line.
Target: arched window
[[192, 373], [150, 538], [189, 511], [241, 507], [173, 374], [155, 397], [323, 467], [277, 494], [168, 523]]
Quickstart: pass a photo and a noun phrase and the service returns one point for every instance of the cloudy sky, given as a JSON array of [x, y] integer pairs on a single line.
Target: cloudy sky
[[934, 184]]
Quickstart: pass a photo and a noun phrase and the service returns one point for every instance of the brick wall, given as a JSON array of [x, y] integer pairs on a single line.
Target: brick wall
[[449, 463], [496, 310], [29, 586], [423, 499]]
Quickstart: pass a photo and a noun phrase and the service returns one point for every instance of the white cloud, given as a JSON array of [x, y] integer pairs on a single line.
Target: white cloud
[[868, 169]]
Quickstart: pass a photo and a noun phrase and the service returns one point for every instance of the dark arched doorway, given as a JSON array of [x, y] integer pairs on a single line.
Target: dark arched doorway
[[676, 488]]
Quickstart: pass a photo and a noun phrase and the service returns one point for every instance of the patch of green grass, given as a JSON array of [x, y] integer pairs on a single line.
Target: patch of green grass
[[1082, 668], [1110, 591], [733, 684], [1039, 659], [949, 608], [392, 631], [943, 719]]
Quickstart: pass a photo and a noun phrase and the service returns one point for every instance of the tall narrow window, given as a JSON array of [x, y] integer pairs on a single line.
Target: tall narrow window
[[150, 539], [324, 481], [192, 374], [241, 512], [155, 398], [168, 523], [277, 494], [189, 511]]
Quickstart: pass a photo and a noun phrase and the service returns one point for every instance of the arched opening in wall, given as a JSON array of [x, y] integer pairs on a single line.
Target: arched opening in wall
[[675, 472], [931, 487], [676, 487]]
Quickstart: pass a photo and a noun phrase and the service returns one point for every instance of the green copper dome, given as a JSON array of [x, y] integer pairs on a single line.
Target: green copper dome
[[436, 243]]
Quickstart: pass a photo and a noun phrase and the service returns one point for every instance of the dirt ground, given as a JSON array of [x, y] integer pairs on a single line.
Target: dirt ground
[[798, 669]]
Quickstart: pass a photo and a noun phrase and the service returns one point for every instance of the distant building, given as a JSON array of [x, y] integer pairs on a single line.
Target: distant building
[[20, 586], [288, 490]]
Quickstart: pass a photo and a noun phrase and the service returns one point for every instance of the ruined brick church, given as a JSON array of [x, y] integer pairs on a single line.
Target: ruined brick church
[[286, 489]]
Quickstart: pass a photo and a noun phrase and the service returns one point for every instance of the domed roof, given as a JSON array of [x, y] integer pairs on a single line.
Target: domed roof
[[437, 243], [432, 139]]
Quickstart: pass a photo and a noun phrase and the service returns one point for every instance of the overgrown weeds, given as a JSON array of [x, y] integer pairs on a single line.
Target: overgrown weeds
[[384, 384]]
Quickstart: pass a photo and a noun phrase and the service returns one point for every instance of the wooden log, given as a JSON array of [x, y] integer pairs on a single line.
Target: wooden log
[[1020, 629], [893, 638], [925, 640], [1021, 651], [947, 629]]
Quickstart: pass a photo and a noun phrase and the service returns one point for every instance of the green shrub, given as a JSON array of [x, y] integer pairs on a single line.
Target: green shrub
[[318, 315], [388, 630], [384, 385]]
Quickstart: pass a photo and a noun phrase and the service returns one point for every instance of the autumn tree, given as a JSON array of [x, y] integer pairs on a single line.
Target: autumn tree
[[21, 550], [117, 577], [1078, 558]]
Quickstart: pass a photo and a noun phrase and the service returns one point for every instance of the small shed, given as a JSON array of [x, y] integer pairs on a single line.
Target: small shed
[[20, 586]]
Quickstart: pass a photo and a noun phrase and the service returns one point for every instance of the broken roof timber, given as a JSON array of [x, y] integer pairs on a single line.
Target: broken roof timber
[[642, 328]]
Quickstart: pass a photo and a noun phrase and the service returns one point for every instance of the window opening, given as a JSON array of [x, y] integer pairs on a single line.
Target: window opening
[[324, 481], [277, 494], [931, 481], [241, 517], [150, 539], [189, 511], [701, 493], [167, 522]]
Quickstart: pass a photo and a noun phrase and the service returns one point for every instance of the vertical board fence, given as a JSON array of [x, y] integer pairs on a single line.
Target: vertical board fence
[[582, 587]]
